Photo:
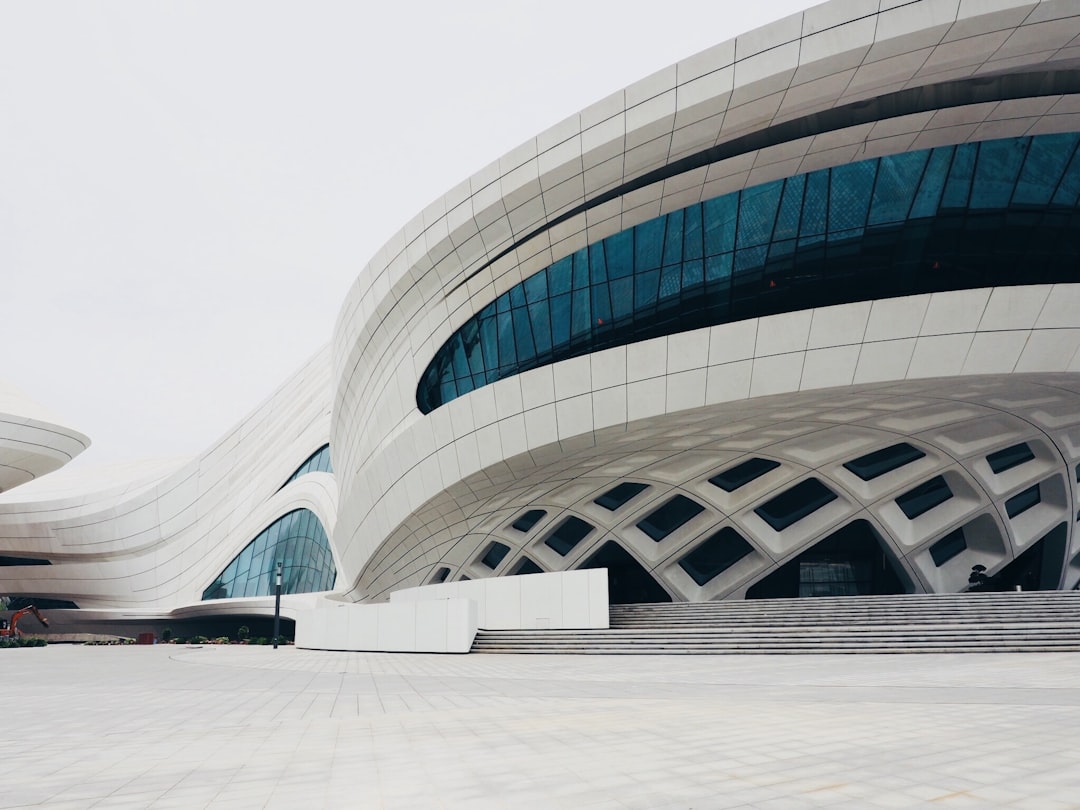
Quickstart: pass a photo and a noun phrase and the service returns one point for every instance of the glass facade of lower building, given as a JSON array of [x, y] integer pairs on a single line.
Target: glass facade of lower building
[[296, 539], [319, 461], [995, 213]]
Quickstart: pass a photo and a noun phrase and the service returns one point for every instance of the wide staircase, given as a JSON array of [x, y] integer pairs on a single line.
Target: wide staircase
[[1035, 621]]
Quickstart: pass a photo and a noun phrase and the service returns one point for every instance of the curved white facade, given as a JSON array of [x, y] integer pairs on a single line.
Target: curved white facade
[[32, 440], [151, 540], [400, 520], [960, 374]]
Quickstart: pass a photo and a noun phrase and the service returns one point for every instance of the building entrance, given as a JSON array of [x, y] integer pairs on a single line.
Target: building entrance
[[850, 562]]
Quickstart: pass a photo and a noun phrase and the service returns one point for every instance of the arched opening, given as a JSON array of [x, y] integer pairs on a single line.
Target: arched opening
[[1039, 568], [851, 561], [628, 582]]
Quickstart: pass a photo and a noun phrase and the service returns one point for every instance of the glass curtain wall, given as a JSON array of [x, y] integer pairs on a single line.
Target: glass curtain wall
[[319, 461], [994, 213], [298, 540]]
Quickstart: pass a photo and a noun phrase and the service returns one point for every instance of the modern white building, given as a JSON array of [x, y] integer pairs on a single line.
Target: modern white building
[[798, 315]]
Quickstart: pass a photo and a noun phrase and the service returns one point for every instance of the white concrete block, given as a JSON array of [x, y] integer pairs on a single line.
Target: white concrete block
[[431, 626], [397, 628], [541, 602], [500, 604]]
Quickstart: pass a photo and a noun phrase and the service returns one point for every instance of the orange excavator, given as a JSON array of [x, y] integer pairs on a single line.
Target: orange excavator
[[9, 628]]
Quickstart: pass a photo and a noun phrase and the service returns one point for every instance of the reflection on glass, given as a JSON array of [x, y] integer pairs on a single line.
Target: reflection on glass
[[956, 217], [299, 541], [319, 461]]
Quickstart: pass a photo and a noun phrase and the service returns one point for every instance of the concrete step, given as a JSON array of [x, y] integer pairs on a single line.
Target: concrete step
[[786, 650], [1003, 622]]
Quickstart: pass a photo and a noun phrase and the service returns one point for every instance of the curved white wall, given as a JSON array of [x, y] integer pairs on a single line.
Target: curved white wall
[[153, 542], [419, 490], [528, 420], [32, 440], [426, 282]]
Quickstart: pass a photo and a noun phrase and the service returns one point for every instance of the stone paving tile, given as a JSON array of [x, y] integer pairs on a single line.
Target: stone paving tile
[[248, 727]]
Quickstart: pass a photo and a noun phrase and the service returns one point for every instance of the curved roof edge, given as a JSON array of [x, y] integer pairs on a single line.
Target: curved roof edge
[[33, 441]]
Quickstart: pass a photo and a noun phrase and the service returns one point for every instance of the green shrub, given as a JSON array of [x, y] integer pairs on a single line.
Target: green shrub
[[198, 640], [243, 633], [262, 640], [166, 635], [22, 642]]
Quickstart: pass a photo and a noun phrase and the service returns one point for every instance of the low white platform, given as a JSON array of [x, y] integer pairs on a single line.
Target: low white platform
[[443, 626], [444, 618]]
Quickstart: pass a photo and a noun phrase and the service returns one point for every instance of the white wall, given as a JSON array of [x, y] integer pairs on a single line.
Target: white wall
[[437, 626], [152, 541], [444, 618], [569, 600]]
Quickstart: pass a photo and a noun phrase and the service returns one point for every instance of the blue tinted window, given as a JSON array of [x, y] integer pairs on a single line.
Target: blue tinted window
[[948, 547], [621, 494], [1020, 503], [715, 555], [526, 566], [794, 504], [296, 539], [897, 181], [924, 497], [1046, 162], [741, 474], [998, 170], [1010, 457], [528, 520], [669, 517], [879, 462], [568, 534], [494, 554], [976, 215], [319, 461]]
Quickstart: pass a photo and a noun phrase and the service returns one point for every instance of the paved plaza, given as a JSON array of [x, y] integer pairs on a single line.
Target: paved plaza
[[240, 727]]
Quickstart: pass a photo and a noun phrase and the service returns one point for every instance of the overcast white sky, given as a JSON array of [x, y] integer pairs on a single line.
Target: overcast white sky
[[187, 189]]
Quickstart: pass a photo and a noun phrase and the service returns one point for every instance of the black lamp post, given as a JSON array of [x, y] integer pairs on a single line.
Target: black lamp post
[[277, 605]]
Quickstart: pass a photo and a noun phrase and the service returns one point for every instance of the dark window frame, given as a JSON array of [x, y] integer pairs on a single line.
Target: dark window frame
[[795, 503], [743, 473], [672, 515]]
